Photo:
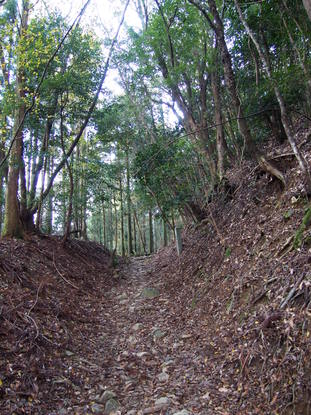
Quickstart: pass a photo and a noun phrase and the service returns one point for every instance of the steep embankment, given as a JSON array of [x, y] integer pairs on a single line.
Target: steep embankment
[[50, 301], [222, 329], [244, 294]]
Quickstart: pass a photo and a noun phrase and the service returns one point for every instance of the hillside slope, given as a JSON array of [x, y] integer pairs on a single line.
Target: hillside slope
[[50, 301], [245, 292]]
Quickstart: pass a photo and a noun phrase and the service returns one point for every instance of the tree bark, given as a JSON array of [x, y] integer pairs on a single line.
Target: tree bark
[[141, 236], [220, 141], [104, 224], [122, 217], [151, 241], [13, 226], [307, 6], [129, 214]]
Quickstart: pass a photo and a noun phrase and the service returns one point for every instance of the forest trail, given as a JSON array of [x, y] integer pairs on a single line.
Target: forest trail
[[151, 365]]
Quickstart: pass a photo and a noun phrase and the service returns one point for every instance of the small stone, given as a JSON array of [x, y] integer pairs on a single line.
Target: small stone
[[163, 377], [183, 412], [132, 412], [69, 353], [111, 406], [137, 326], [132, 340], [223, 390], [122, 297], [150, 292], [142, 354], [163, 401], [177, 345], [97, 409], [168, 363], [206, 396], [105, 396], [158, 334], [62, 411]]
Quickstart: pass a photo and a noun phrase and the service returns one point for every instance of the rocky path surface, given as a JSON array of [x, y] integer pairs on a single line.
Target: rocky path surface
[[150, 364]]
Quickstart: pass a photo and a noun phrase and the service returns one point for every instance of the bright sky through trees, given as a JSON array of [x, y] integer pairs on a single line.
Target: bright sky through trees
[[101, 16]]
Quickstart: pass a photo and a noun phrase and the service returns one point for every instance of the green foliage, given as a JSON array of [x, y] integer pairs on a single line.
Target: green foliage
[[306, 222]]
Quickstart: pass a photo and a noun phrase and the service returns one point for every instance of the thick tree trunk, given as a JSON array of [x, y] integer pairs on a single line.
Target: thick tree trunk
[[12, 222], [141, 236], [13, 226]]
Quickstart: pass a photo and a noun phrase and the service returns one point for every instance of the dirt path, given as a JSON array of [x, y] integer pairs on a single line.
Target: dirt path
[[150, 363]]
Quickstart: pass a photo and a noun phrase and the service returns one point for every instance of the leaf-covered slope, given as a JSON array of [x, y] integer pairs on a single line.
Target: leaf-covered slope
[[244, 292]]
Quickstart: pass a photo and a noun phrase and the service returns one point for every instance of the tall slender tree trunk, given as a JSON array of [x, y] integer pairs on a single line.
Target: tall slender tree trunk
[[129, 216], [134, 236], [151, 236], [115, 223], [122, 216], [164, 233], [49, 208], [70, 199], [220, 141], [104, 224]]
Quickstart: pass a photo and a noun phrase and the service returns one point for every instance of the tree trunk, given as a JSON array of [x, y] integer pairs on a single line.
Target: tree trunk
[[135, 236], [220, 142], [142, 239], [70, 198], [307, 5], [151, 242], [164, 233], [104, 225], [128, 195], [115, 223], [122, 217], [13, 226], [49, 208]]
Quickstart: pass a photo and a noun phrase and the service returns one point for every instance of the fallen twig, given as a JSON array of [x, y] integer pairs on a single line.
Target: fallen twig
[[292, 292], [61, 275]]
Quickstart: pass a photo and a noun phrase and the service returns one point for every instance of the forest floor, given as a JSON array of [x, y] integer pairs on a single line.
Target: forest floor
[[223, 329]]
